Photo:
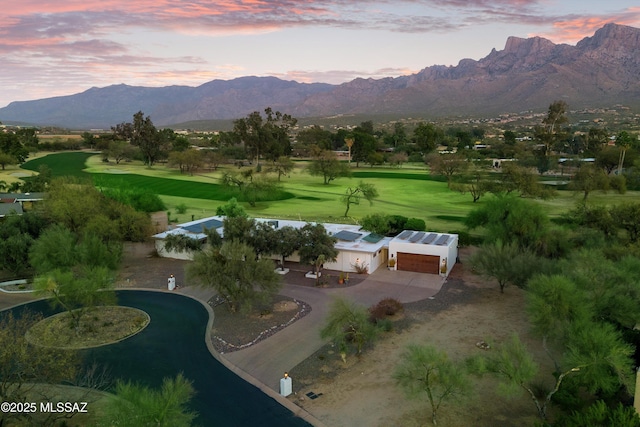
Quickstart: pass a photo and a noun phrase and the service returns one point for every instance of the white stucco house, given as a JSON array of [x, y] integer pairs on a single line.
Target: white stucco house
[[355, 246], [424, 252]]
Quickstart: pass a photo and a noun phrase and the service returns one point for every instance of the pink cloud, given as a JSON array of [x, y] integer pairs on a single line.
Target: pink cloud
[[577, 28]]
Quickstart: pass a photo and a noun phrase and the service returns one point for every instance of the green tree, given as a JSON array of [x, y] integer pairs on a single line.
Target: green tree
[[7, 160], [596, 357], [600, 414], [511, 219], [624, 140], [317, 247], [133, 226], [354, 194], [425, 370], [587, 179], [262, 238], [506, 263], [619, 301], [376, 223], [181, 243], [267, 136], [188, 160], [146, 137], [283, 165], [14, 251], [119, 150], [238, 228], [235, 273], [28, 138], [24, 367], [364, 143], [135, 405], [287, 241], [627, 216], [556, 116], [10, 144], [447, 165], [509, 137], [596, 140], [398, 136], [515, 177], [77, 292], [475, 182], [231, 209], [55, 248], [327, 165], [427, 137], [315, 136], [251, 190], [348, 324], [72, 202]]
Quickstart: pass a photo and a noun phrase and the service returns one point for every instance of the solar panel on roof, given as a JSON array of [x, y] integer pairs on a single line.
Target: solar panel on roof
[[373, 238], [405, 234], [348, 236], [442, 240], [204, 225], [430, 238], [419, 235]]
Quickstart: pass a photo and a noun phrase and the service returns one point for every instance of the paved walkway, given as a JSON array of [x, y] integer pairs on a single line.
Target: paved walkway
[[269, 359]]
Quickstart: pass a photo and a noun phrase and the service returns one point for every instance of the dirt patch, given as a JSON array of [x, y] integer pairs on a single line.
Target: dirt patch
[[284, 306], [467, 310], [235, 331], [100, 326]]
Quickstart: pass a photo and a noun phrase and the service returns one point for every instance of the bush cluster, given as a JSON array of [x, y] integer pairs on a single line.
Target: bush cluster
[[385, 307]]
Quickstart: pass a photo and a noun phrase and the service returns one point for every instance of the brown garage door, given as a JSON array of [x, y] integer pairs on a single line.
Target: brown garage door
[[419, 263]]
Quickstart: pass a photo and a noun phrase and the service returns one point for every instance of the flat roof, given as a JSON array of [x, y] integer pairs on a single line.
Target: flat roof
[[425, 238], [359, 240]]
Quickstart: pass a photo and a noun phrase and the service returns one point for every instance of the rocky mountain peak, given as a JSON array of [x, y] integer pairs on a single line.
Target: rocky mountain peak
[[613, 41]]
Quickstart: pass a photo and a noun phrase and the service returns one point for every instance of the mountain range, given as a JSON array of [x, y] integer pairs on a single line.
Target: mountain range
[[528, 74]]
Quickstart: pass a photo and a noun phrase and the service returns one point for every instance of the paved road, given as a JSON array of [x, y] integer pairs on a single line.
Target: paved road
[[269, 359]]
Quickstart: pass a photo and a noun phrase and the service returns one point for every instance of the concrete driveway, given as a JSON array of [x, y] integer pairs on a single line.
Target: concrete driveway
[[269, 359]]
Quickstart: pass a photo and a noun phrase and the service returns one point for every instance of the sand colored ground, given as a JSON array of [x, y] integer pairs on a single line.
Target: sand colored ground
[[364, 392]]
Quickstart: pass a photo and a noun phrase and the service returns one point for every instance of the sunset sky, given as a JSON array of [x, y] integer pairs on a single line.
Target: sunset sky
[[52, 48]]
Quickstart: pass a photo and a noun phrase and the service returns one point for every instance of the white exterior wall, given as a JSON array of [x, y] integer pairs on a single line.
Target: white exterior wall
[[187, 255], [449, 252], [347, 259], [453, 254]]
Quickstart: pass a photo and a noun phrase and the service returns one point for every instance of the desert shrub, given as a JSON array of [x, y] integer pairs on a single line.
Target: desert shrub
[[391, 306], [361, 268], [377, 314], [385, 307], [385, 325], [181, 208], [466, 239], [618, 183]]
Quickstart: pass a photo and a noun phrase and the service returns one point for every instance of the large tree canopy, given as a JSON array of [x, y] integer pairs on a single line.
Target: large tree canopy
[[268, 136], [233, 271]]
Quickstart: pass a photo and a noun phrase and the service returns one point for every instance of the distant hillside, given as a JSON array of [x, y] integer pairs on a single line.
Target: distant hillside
[[599, 71]]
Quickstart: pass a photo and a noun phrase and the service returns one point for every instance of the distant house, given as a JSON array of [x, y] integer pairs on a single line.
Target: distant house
[[25, 200], [17, 203], [7, 209], [414, 251]]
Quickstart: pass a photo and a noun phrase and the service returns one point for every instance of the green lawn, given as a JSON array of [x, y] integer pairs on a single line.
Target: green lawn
[[410, 192]]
